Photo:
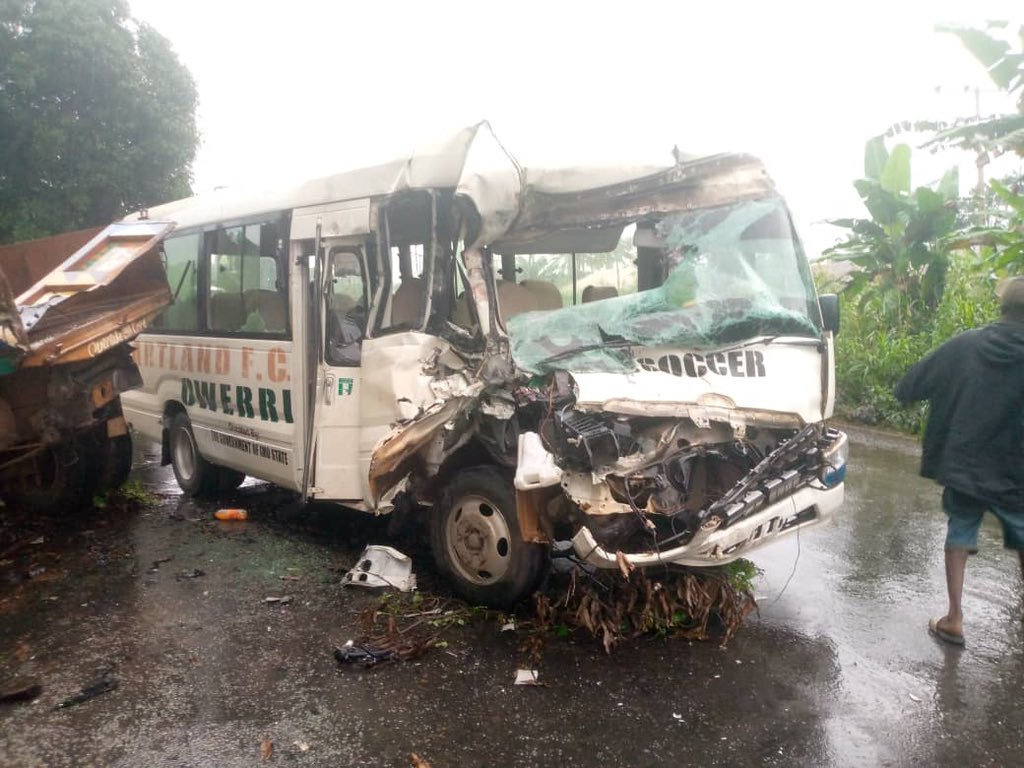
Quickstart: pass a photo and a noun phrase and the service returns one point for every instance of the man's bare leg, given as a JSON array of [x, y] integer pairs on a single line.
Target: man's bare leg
[[956, 565]]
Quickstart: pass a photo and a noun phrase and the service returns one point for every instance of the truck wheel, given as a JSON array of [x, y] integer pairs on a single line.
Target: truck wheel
[[115, 460], [195, 475], [59, 479], [475, 537]]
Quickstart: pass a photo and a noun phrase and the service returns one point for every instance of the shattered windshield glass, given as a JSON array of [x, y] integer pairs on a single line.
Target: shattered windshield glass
[[732, 273]]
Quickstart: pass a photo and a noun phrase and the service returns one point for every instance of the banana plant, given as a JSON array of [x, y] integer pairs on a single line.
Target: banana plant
[[901, 250]]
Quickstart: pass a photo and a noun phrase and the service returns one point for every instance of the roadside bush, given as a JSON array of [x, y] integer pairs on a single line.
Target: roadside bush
[[871, 358]]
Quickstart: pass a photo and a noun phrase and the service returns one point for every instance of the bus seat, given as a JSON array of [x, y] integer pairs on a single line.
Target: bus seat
[[407, 303], [599, 292], [272, 307], [514, 299], [545, 293], [227, 312]]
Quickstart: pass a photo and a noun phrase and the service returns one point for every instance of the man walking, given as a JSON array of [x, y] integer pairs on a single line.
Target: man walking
[[974, 442]]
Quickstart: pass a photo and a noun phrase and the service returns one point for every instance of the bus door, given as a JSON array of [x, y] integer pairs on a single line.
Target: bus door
[[345, 297], [397, 386]]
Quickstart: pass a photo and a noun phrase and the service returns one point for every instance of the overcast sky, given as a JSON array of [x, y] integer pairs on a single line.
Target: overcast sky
[[303, 88]]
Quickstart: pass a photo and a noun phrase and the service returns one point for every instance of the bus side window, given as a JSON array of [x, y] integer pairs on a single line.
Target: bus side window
[[247, 294], [182, 255], [345, 306]]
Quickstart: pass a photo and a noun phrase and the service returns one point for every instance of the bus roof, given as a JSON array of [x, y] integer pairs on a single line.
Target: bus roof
[[475, 165]]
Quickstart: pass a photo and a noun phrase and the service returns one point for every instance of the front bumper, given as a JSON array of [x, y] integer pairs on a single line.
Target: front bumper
[[805, 507]]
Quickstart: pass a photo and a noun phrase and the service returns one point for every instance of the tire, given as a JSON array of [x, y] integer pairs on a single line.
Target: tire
[[60, 479], [228, 479], [115, 460], [474, 534], [195, 475]]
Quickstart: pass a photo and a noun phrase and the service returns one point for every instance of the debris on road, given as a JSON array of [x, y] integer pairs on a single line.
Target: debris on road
[[104, 683], [364, 655], [192, 573], [381, 566], [283, 600], [157, 563], [231, 514], [418, 762], [302, 745], [527, 677], [685, 604], [24, 693], [266, 750]]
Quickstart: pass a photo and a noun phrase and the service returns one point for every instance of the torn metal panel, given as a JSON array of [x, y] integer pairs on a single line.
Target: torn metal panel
[[703, 183], [395, 454], [106, 292]]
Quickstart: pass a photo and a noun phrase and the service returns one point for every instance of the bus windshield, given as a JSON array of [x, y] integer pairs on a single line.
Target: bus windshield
[[730, 274]]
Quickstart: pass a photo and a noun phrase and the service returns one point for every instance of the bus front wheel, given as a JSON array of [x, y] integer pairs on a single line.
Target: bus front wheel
[[476, 542]]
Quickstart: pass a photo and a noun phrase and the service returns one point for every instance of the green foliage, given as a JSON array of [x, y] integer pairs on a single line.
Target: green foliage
[[129, 497], [871, 356], [742, 574], [900, 251], [1005, 67], [97, 116]]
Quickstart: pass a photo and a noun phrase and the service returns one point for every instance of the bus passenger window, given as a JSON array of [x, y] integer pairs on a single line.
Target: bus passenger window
[[247, 294], [182, 254], [345, 305]]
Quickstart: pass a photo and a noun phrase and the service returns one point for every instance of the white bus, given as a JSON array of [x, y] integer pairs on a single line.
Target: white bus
[[631, 358]]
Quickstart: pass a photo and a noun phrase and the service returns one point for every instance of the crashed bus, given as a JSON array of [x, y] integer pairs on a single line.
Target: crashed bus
[[384, 338]]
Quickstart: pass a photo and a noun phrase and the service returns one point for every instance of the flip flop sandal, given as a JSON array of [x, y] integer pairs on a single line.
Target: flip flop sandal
[[944, 635]]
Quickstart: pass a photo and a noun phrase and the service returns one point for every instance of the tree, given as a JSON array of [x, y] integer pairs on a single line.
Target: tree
[[97, 116], [1005, 67], [901, 249]]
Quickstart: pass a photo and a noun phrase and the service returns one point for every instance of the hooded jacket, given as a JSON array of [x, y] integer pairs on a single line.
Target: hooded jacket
[[974, 384]]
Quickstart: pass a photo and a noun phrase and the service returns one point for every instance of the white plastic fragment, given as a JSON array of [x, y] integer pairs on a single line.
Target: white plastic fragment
[[526, 677], [535, 467], [381, 566], [914, 698], [509, 626]]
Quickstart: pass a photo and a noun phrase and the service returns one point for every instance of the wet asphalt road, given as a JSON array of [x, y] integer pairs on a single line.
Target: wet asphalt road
[[836, 670]]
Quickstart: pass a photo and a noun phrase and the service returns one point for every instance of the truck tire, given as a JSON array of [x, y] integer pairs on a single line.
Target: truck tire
[[195, 475], [475, 538], [59, 479], [115, 460]]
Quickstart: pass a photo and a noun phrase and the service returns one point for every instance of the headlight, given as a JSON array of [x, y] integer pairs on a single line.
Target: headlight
[[833, 465]]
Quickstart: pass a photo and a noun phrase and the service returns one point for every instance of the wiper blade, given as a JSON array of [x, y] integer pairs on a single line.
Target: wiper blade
[[608, 341]]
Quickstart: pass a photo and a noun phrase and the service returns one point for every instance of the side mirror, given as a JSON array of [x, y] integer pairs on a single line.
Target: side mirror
[[829, 303]]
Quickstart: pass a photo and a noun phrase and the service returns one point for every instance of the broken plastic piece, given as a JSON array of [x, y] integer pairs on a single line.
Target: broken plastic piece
[[526, 677], [231, 514], [381, 566], [350, 653], [536, 466]]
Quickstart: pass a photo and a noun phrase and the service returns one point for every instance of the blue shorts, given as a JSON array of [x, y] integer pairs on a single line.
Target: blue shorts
[[965, 513]]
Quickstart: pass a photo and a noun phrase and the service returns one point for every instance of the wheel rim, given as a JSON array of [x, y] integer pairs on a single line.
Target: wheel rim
[[184, 454], [478, 540]]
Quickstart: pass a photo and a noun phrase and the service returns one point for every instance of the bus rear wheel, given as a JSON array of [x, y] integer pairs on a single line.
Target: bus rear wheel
[[475, 538]]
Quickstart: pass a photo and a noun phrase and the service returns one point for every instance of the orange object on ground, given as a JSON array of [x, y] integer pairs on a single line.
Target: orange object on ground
[[231, 514]]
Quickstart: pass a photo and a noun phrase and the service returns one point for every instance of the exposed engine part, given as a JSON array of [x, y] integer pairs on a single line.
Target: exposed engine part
[[701, 486], [589, 442]]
